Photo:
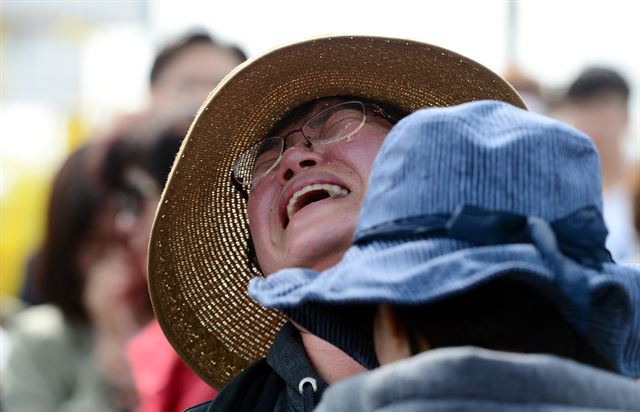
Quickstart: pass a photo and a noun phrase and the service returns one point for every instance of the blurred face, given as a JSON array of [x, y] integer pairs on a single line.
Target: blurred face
[[114, 281], [136, 212], [604, 118], [105, 262], [101, 239], [186, 82], [304, 212]]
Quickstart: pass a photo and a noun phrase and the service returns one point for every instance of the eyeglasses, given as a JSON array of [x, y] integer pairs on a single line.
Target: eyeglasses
[[333, 124]]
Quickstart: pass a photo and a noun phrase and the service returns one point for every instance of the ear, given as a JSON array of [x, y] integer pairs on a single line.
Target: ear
[[389, 334], [394, 327]]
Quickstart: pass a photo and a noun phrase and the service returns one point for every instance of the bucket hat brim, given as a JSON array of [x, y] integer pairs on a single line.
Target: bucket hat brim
[[424, 271]]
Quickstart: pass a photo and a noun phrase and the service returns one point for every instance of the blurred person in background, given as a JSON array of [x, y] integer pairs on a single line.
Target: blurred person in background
[[135, 169], [185, 71], [528, 87], [597, 103], [182, 75], [67, 355]]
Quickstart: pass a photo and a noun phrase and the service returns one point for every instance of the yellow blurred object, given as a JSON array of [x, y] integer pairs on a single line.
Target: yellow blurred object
[[77, 131], [22, 214], [23, 208], [72, 28]]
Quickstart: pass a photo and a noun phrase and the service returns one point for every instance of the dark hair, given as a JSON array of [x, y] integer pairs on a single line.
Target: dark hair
[[171, 51], [154, 155], [500, 315], [150, 143], [595, 81], [74, 203]]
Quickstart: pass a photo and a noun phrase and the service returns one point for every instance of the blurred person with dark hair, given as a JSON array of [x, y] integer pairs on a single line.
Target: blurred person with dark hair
[[183, 73], [135, 169], [67, 355], [186, 70], [597, 103]]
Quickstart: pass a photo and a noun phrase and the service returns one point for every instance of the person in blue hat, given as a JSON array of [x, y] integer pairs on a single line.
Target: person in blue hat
[[478, 274]]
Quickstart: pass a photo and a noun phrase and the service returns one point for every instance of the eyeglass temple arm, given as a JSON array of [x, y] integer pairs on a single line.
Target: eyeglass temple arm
[[379, 111]]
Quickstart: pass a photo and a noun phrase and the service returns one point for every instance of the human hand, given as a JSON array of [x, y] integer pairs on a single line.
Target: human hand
[[109, 285]]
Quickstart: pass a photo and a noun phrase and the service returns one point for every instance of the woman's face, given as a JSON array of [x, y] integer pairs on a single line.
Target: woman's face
[[304, 212], [101, 238], [136, 212], [106, 258]]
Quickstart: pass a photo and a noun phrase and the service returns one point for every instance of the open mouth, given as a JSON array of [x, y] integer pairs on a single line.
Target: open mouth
[[311, 194]]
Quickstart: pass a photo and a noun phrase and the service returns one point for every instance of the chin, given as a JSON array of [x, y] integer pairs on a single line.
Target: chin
[[319, 249]]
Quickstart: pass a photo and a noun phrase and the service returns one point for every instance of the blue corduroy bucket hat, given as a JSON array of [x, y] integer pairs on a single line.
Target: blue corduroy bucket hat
[[462, 196]]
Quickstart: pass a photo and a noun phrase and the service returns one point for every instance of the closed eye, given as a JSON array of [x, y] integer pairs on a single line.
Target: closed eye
[[334, 124]]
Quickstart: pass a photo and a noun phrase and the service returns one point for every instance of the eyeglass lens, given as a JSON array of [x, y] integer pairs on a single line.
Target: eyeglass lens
[[332, 124]]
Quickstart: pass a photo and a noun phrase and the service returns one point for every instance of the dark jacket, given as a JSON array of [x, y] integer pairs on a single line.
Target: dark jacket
[[273, 383]]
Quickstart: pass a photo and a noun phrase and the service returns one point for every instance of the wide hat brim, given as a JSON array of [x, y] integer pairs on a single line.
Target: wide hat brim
[[422, 271], [198, 265]]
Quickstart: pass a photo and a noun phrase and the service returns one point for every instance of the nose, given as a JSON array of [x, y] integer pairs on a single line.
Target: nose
[[296, 159]]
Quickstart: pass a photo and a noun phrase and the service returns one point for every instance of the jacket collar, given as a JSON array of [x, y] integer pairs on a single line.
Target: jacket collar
[[289, 360]]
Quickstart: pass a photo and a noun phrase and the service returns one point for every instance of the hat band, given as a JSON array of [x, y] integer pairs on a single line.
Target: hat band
[[579, 237]]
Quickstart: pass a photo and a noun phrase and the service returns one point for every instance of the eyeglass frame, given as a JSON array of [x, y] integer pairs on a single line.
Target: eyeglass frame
[[372, 107]]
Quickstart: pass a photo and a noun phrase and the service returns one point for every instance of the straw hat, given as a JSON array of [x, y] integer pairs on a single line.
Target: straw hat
[[198, 265]]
